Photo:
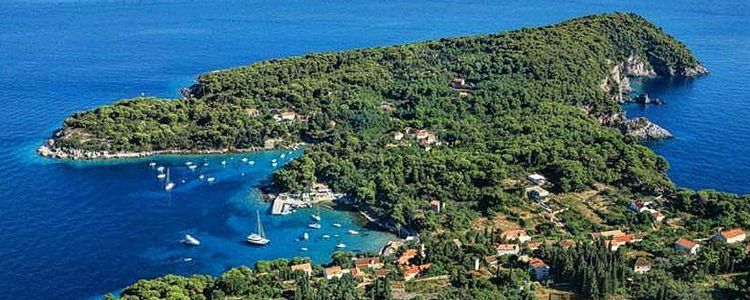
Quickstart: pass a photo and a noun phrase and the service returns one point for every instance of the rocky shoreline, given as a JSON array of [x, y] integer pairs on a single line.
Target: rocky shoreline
[[49, 150]]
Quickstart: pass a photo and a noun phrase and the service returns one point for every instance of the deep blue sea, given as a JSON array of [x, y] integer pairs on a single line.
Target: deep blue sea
[[78, 230]]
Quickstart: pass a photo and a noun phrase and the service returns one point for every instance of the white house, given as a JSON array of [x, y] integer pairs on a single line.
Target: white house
[[686, 245]]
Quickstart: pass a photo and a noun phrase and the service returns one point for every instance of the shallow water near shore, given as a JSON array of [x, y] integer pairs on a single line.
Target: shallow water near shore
[[71, 230]]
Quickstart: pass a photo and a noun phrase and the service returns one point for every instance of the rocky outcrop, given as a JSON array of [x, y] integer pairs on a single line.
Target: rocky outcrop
[[617, 82], [645, 99], [644, 129]]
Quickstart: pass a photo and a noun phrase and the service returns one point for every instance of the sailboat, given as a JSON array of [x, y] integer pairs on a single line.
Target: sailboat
[[316, 216], [305, 236], [168, 185], [341, 245], [258, 238], [314, 225], [352, 231], [191, 240]]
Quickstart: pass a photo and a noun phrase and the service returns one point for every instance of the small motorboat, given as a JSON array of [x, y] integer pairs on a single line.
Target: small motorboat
[[160, 169], [252, 162], [303, 248], [161, 176], [304, 236], [341, 245], [211, 179], [223, 162], [314, 225], [191, 240], [201, 176], [205, 164], [335, 235], [315, 217], [351, 231], [192, 167], [273, 160], [325, 236], [274, 164], [244, 159], [336, 225], [187, 259], [282, 156], [152, 164], [188, 163]]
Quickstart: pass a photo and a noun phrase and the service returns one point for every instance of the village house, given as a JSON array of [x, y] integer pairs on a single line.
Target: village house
[[407, 256], [641, 265], [539, 269], [519, 235], [491, 260], [536, 193], [333, 272], [607, 234], [618, 241], [369, 263], [731, 236], [567, 244], [425, 137], [387, 106], [356, 272], [507, 249], [639, 206], [534, 245], [381, 272], [305, 268], [398, 135], [285, 116], [537, 179], [412, 271], [657, 216], [459, 83], [253, 112], [686, 245], [437, 206]]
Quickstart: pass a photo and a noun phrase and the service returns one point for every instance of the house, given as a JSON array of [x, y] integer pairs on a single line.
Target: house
[[369, 263], [398, 135], [607, 234], [437, 205], [507, 249], [616, 242], [731, 236], [333, 272], [534, 245], [638, 206], [537, 179], [387, 106], [458, 243], [407, 256], [425, 137], [686, 245], [519, 235], [539, 269], [381, 272], [356, 272], [305, 268], [641, 265], [285, 116], [536, 193], [567, 244], [253, 112], [413, 271], [657, 216], [491, 260]]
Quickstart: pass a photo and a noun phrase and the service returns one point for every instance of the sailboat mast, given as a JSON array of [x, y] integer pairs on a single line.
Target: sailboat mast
[[260, 226]]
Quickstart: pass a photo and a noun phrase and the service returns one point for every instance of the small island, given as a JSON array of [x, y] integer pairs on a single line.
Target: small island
[[506, 159]]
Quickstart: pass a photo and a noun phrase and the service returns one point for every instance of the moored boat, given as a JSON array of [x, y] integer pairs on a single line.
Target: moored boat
[[258, 237], [191, 240]]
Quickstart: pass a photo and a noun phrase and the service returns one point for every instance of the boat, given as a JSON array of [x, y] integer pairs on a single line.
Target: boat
[[223, 162], [187, 259], [168, 185], [325, 236], [192, 167], [316, 215], [335, 235], [314, 225], [201, 176], [259, 237], [152, 164], [161, 176], [160, 169], [282, 156], [205, 164], [336, 225], [273, 160], [183, 181], [252, 162], [188, 163], [341, 245], [303, 248], [244, 159], [352, 231], [211, 179], [305, 236], [274, 164], [191, 240]]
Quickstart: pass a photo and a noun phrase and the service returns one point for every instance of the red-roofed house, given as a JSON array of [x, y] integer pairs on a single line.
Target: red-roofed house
[[540, 269], [332, 272], [686, 245], [507, 249], [369, 263], [407, 256], [306, 268], [731, 236]]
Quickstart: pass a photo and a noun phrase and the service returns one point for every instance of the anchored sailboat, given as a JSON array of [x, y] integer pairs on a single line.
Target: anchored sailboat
[[259, 237], [168, 184]]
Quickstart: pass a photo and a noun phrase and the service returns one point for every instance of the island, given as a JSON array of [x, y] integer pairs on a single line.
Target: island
[[505, 160]]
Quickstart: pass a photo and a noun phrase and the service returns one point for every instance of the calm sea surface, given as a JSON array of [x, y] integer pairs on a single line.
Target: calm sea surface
[[78, 230]]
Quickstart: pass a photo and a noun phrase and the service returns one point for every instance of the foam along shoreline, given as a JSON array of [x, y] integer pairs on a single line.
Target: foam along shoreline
[[50, 151]]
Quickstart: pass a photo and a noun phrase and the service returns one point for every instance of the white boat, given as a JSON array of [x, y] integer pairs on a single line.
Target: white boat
[[187, 259], [341, 245], [211, 179], [168, 184], [336, 225], [252, 162], [259, 237], [191, 240], [351, 231], [314, 226], [161, 176], [303, 248], [282, 156], [274, 164], [183, 181], [273, 160], [325, 236], [290, 153], [223, 162], [160, 169], [305, 236], [315, 217], [335, 235], [192, 167], [244, 159], [152, 164], [188, 163], [242, 174], [205, 164]]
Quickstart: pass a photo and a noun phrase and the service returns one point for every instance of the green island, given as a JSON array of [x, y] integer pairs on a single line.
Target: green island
[[508, 154]]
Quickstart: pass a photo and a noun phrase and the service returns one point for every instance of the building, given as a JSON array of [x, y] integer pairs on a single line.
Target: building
[[567, 244], [537, 179], [287, 116], [369, 263], [253, 112], [381, 272], [616, 242], [539, 269], [407, 256], [641, 265], [638, 206], [519, 235], [458, 83], [534, 245], [607, 234], [491, 260], [305, 268], [731, 236], [437, 205], [333, 272], [686, 245], [425, 137], [356, 272], [398, 135], [390, 248], [657, 216], [412, 271], [507, 249], [536, 193]]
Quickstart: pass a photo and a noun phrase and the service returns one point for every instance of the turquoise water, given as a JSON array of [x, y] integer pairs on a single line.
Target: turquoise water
[[77, 230]]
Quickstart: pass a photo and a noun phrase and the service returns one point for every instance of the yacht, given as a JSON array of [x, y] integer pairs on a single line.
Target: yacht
[[303, 248], [252, 162], [244, 159], [314, 225], [223, 162], [351, 231], [188, 163], [161, 176], [168, 184], [191, 240], [316, 215], [282, 156], [273, 160], [341, 245], [325, 236], [259, 237], [274, 164], [211, 179], [336, 225]]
